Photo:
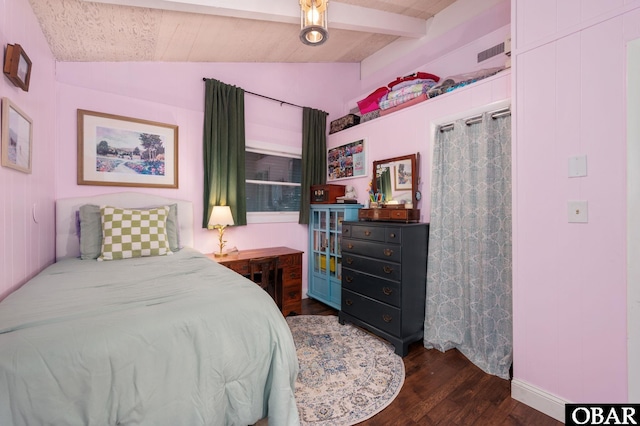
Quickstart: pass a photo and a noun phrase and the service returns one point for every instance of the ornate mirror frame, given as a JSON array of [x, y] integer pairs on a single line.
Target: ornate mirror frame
[[402, 179], [404, 174]]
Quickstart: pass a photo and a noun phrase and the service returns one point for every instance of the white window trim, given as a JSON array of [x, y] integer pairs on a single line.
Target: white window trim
[[272, 149], [272, 217]]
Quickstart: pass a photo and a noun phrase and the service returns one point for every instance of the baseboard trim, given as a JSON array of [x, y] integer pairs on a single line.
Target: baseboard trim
[[536, 398]]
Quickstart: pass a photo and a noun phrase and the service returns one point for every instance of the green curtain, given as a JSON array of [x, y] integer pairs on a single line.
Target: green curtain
[[224, 151], [314, 156]]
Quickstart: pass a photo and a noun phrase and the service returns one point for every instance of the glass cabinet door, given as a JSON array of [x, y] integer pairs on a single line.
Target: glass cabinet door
[[336, 217], [319, 234], [325, 251]]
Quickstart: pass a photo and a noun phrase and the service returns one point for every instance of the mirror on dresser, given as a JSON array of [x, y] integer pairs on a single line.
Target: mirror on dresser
[[396, 180]]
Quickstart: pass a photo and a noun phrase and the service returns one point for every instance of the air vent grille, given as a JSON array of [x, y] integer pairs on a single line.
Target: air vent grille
[[491, 52]]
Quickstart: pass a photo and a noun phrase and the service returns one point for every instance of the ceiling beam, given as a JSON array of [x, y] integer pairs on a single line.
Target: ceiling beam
[[341, 15], [357, 18]]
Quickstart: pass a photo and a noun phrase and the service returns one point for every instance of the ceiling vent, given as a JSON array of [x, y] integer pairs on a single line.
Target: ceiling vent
[[491, 52]]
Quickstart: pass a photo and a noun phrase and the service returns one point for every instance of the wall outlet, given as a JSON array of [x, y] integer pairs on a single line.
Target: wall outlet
[[577, 211]]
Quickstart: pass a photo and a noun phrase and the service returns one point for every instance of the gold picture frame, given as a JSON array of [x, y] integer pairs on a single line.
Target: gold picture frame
[[17, 66], [17, 135], [114, 150]]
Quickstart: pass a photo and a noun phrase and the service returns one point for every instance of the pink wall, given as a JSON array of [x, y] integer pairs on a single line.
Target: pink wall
[[174, 93], [411, 131], [570, 331], [26, 246]]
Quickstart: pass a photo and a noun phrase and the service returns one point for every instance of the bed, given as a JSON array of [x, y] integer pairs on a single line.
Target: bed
[[160, 340]]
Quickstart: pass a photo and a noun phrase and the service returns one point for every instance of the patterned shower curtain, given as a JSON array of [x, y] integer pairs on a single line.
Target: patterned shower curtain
[[468, 303]]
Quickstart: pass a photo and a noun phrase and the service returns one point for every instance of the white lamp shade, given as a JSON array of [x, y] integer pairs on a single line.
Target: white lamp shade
[[221, 215]]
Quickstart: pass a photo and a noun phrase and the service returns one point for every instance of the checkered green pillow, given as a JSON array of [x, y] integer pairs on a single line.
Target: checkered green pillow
[[128, 233]]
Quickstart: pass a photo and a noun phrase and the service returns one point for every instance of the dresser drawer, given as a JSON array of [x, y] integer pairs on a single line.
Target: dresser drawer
[[392, 235], [366, 232], [292, 275], [377, 288], [291, 300], [378, 314], [387, 270], [382, 251], [389, 234], [241, 268], [290, 260]]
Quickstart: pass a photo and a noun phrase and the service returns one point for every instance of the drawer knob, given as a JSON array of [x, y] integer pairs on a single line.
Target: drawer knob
[[387, 269], [367, 233], [388, 252], [346, 231], [387, 290], [387, 318], [349, 302], [349, 246], [348, 279], [349, 260], [392, 235], [293, 294]]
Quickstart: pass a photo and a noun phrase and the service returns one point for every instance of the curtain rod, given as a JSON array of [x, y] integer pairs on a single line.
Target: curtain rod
[[266, 97], [478, 118]]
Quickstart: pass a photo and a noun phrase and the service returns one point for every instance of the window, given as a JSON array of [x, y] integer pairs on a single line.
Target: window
[[273, 176]]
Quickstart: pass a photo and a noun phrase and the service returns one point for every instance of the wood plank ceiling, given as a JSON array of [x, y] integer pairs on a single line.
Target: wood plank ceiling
[[79, 31]]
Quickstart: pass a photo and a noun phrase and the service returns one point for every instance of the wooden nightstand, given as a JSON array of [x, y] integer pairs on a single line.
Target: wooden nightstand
[[289, 261]]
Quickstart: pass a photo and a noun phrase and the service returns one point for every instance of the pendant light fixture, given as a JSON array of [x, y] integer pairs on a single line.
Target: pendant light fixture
[[313, 22]]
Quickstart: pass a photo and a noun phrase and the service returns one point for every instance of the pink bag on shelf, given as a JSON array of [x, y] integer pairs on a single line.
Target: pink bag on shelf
[[370, 103], [411, 77]]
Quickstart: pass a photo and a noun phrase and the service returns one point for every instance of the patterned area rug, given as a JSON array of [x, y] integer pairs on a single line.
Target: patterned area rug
[[346, 376]]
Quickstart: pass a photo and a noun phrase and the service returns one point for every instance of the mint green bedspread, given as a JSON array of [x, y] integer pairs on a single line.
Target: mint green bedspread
[[173, 340]]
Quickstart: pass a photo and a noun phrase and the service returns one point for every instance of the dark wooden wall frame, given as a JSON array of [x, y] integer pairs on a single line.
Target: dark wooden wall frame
[[17, 66]]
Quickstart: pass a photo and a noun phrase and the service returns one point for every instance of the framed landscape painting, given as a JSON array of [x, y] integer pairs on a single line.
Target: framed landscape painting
[[17, 130], [121, 151]]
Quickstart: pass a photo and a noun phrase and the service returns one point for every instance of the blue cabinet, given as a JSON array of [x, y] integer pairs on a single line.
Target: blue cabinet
[[325, 260]]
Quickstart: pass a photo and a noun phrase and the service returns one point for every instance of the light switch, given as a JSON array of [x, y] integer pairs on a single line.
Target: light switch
[[577, 211], [578, 166]]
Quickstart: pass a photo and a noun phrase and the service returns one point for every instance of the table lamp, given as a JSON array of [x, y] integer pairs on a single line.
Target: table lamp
[[220, 218]]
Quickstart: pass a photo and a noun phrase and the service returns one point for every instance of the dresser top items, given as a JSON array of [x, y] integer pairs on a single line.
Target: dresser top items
[[394, 191]]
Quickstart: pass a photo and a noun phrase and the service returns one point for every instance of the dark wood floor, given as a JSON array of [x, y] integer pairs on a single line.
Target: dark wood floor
[[447, 389]]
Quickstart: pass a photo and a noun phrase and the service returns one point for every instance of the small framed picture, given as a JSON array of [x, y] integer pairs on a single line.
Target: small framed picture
[[120, 151], [402, 175], [17, 130], [17, 66]]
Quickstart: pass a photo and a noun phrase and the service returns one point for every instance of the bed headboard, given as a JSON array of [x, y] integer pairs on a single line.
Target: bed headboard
[[67, 241]]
